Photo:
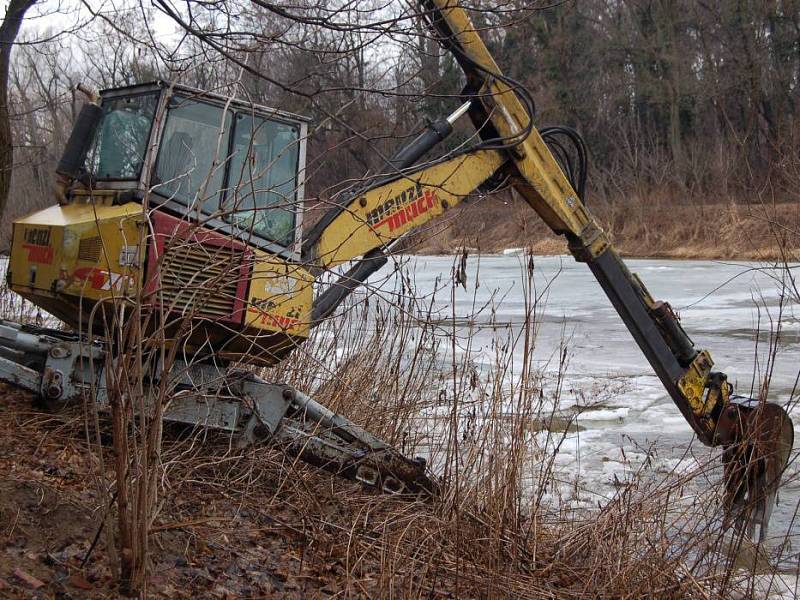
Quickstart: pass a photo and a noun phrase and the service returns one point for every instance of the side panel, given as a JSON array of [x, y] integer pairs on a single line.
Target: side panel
[[78, 250], [249, 304], [280, 296]]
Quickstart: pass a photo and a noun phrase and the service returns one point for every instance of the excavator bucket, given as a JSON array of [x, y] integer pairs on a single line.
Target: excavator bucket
[[757, 438]]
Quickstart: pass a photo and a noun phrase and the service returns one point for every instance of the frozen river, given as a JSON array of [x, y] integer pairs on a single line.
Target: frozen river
[[721, 304]]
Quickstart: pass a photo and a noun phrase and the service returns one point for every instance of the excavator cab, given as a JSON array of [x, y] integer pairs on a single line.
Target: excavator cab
[[189, 199], [237, 166], [187, 205]]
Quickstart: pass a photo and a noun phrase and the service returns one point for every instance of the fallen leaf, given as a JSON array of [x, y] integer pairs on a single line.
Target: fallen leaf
[[80, 582], [30, 580]]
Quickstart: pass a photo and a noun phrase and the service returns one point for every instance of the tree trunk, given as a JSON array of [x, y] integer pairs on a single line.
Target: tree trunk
[[8, 33]]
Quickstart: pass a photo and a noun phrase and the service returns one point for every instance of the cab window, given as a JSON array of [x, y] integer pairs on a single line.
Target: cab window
[[262, 182], [120, 143], [191, 160], [235, 167]]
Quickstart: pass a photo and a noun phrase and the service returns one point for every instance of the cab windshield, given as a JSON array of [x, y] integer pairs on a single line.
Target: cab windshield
[[121, 141]]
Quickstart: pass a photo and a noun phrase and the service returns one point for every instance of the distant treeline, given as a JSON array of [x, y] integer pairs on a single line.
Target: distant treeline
[[677, 99], [676, 96]]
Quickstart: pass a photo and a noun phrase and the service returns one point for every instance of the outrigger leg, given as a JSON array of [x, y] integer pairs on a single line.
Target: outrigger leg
[[61, 367]]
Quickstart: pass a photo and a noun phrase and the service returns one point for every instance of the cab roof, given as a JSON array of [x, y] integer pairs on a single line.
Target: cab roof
[[220, 99]]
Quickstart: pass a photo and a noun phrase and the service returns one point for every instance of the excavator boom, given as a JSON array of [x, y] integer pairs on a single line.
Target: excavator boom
[[497, 107]]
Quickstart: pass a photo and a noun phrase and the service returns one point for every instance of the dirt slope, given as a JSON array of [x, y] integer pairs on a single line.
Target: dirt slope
[[206, 545], [254, 524], [234, 524]]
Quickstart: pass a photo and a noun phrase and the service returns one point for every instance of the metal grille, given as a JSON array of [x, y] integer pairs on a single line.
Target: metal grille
[[89, 249], [201, 279]]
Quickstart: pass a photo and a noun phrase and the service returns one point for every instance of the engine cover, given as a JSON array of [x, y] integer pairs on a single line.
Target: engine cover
[[203, 288]]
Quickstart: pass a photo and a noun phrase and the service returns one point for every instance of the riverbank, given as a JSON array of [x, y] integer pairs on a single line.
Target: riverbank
[[660, 229], [518, 518], [249, 524]]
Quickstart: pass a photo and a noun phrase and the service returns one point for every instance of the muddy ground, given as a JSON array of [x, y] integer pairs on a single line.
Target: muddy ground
[[207, 543], [255, 524]]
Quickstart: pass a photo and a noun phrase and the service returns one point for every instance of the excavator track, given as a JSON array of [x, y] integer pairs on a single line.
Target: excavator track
[[62, 367]]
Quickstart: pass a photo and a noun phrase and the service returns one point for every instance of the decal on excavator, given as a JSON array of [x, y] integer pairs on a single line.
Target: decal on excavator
[[38, 236], [263, 307], [39, 254], [403, 208], [37, 243], [100, 279], [275, 286]]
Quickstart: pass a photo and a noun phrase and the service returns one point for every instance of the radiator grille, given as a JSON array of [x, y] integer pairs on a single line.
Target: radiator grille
[[201, 279], [89, 249]]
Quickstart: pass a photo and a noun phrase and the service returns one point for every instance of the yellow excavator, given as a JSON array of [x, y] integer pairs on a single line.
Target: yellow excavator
[[190, 203]]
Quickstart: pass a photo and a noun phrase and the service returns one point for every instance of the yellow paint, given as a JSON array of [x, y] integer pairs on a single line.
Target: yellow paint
[[84, 253], [280, 296], [693, 384], [386, 212], [57, 267], [540, 179]]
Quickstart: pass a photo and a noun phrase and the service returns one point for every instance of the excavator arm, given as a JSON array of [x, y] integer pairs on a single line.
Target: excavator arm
[[368, 221]]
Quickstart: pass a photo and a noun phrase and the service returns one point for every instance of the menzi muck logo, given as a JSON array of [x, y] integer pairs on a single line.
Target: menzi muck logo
[[39, 254], [403, 208], [37, 243]]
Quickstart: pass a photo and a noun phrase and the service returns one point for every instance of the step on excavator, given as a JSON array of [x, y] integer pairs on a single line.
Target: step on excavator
[[189, 204]]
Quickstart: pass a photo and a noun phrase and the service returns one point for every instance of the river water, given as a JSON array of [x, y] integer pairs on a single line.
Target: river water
[[721, 304]]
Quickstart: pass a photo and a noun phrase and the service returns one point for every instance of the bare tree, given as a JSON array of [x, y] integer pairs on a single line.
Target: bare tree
[[8, 34]]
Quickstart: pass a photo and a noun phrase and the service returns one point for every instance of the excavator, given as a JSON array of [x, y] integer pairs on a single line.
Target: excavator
[[189, 203]]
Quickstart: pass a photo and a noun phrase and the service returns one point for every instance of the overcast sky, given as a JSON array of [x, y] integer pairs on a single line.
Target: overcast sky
[[56, 16]]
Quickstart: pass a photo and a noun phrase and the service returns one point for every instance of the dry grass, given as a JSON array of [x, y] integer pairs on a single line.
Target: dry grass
[[494, 533], [654, 227]]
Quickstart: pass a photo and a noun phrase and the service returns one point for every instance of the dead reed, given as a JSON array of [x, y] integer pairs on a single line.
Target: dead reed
[[491, 429]]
